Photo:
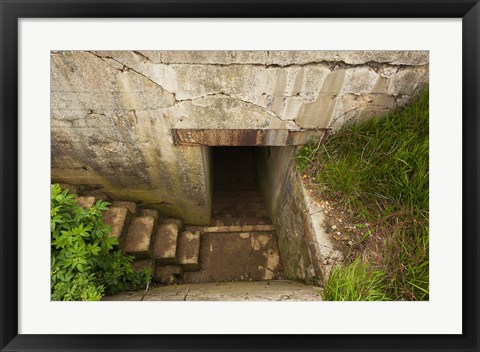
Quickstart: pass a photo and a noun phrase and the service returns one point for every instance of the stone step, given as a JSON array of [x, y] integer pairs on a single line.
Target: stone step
[[241, 256], [85, 202], [129, 205], [241, 221], [178, 222], [238, 206], [245, 228], [188, 249], [149, 212], [138, 237], [118, 218], [242, 213], [164, 247]]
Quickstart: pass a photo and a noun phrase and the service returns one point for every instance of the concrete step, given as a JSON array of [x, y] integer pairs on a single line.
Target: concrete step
[[149, 212], [244, 228], [118, 218], [188, 249], [241, 221], [237, 256], [237, 206], [138, 236], [164, 247], [241, 213], [85, 202], [237, 199], [178, 222], [129, 205]]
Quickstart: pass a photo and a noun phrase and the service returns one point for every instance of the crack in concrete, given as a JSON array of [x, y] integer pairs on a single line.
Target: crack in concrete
[[126, 68], [103, 59], [145, 57], [375, 96], [270, 112], [295, 123], [89, 114], [333, 65]]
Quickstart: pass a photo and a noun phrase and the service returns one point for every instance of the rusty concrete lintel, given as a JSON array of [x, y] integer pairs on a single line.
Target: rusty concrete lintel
[[245, 137]]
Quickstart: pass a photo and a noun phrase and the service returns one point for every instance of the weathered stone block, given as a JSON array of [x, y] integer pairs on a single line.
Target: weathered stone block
[[359, 80], [188, 250], [142, 265], [175, 221], [149, 212], [165, 244], [118, 219], [129, 205], [167, 274], [409, 81], [85, 202], [138, 237]]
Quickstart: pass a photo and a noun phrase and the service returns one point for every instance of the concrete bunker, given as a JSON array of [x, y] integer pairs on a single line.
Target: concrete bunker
[[142, 127]]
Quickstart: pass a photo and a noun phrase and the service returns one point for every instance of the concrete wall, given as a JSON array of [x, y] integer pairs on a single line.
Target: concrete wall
[[112, 111], [282, 196], [306, 251]]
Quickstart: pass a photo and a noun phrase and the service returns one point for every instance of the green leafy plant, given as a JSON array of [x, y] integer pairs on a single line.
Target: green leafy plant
[[85, 261]]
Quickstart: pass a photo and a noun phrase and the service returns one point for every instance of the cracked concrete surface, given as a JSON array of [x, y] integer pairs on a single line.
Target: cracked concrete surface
[[112, 112], [305, 92], [272, 290]]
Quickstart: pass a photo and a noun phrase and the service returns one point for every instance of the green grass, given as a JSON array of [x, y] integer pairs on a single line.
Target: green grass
[[355, 282], [379, 171]]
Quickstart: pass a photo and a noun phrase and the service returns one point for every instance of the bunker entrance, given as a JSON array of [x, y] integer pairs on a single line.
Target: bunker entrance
[[241, 243], [234, 169], [236, 199]]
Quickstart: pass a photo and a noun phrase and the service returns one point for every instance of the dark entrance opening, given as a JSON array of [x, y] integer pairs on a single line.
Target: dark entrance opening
[[234, 169], [236, 199]]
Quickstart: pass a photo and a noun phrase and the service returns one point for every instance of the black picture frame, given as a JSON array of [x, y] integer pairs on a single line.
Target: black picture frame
[[12, 11]]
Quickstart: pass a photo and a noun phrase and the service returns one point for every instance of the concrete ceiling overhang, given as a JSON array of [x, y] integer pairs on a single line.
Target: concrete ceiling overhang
[[246, 137]]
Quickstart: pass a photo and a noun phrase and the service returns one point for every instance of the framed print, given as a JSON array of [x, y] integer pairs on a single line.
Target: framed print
[[188, 132]]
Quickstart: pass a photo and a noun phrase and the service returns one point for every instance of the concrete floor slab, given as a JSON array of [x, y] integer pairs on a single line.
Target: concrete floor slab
[[237, 256], [272, 290]]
